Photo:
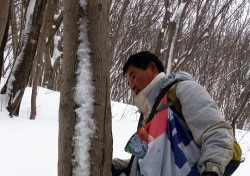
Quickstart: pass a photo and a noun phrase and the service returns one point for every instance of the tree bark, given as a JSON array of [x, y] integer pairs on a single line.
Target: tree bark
[[101, 153], [48, 76], [25, 60], [160, 37], [2, 47], [67, 114], [14, 31], [4, 4], [37, 66], [98, 27], [4, 12]]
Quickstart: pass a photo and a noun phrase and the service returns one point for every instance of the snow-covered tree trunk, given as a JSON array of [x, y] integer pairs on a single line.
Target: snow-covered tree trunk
[[162, 33], [85, 138], [19, 76], [175, 22]]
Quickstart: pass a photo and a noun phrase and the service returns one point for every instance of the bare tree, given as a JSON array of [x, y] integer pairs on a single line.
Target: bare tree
[[18, 79], [209, 40], [37, 64], [133, 26], [52, 60]]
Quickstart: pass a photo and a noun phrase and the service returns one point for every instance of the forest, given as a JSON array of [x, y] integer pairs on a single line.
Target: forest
[[43, 41]]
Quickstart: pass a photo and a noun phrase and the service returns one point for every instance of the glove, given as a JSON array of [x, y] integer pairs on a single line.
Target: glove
[[116, 171], [119, 166], [209, 174]]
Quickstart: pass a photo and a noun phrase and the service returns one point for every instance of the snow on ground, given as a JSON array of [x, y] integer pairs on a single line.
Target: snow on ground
[[29, 147]]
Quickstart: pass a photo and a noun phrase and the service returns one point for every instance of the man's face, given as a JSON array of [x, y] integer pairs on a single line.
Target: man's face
[[138, 78]]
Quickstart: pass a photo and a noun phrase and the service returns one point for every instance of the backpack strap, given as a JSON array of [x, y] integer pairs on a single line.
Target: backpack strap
[[173, 101], [128, 169], [176, 105]]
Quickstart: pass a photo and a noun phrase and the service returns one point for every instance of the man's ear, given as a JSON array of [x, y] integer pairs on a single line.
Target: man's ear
[[152, 67]]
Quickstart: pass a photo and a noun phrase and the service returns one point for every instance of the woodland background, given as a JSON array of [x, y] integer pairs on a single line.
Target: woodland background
[[39, 41]]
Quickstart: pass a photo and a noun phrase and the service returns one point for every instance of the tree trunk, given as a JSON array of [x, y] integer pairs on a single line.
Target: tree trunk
[[48, 71], [44, 34], [4, 12], [14, 31], [101, 153], [174, 27], [67, 114], [4, 4], [160, 37], [244, 103], [101, 150], [2, 47], [22, 68], [37, 70]]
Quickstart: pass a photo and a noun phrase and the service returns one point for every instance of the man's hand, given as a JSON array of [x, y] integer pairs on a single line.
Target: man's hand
[[119, 166], [116, 171]]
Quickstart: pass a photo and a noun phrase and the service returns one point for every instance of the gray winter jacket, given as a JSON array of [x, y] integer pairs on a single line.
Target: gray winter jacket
[[210, 131]]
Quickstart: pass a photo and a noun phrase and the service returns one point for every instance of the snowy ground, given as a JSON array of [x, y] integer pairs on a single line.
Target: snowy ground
[[29, 147]]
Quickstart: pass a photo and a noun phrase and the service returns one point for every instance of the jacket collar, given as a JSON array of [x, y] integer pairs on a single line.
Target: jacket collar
[[146, 98]]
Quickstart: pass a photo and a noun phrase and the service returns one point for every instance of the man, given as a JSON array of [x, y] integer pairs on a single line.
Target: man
[[197, 142]]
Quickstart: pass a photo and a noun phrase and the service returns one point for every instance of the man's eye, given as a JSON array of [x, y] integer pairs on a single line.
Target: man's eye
[[133, 77]]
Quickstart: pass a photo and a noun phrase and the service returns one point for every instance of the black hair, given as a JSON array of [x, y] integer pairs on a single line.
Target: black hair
[[142, 60]]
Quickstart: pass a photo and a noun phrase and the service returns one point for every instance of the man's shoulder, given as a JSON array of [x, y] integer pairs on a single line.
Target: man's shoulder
[[180, 76], [189, 86], [176, 77]]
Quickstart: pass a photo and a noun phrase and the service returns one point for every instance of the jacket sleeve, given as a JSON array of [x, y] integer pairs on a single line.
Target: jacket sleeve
[[210, 131]]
